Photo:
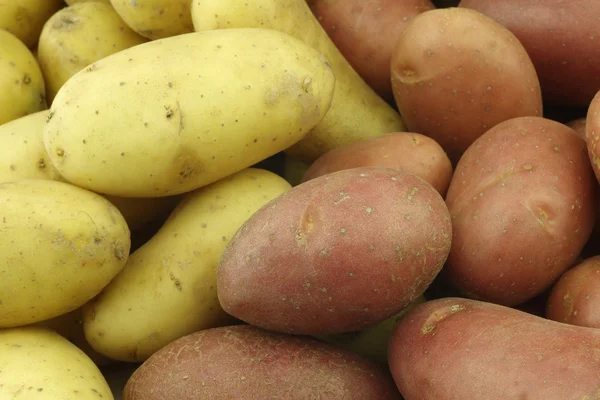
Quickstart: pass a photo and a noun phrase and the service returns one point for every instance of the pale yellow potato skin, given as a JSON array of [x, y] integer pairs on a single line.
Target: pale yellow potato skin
[[59, 246], [25, 18], [172, 115], [156, 19], [356, 112], [77, 36], [38, 363], [21, 82], [168, 288]]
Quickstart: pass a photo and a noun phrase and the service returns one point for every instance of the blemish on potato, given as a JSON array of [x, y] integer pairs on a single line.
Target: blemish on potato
[[369, 210]]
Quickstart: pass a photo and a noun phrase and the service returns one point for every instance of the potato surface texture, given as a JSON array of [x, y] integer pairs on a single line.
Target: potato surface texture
[[523, 201], [337, 253], [59, 246], [222, 101], [455, 348], [168, 288], [356, 112], [456, 73], [592, 134], [25, 18], [245, 362]]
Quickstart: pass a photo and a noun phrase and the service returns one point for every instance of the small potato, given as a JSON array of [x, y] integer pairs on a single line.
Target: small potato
[[244, 362], [38, 363], [336, 254], [77, 36], [156, 19], [21, 82], [575, 297], [523, 201], [409, 152], [457, 73], [25, 18]]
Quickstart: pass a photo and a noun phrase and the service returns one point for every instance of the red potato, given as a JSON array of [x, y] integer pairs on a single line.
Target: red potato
[[523, 203], [336, 254], [562, 39], [456, 73], [366, 33], [409, 152], [592, 134], [453, 348], [243, 362], [575, 297]]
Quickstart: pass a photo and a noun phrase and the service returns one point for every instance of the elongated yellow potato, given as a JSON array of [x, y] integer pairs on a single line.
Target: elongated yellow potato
[[25, 18], [172, 115], [356, 112], [168, 288]]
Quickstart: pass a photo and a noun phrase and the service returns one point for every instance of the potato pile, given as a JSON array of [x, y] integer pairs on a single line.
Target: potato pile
[[300, 199]]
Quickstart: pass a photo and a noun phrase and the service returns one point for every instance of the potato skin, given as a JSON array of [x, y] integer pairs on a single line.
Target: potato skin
[[245, 362], [592, 134], [523, 203], [366, 34], [466, 74], [575, 297], [337, 253], [410, 152], [561, 38], [455, 348], [26, 18]]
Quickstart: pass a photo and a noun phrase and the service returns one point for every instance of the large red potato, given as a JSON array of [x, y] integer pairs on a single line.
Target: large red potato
[[523, 203], [459, 349], [562, 39], [456, 73], [336, 254], [365, 32], [592, 133], [243, 362], [410, 152]]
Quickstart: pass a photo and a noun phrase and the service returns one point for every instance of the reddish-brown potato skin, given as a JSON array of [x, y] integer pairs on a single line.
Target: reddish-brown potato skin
[[454, 348], [244, 362], [337, 253], [456, 73], [365, 32], [523, 203], [575, 297], [410, 152], [561, 37], [592, 134]]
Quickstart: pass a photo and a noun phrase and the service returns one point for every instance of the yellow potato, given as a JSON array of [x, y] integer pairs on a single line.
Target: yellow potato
[[25, 18], [172, 115], [156, 19], [38, 363], [21, 82], [356, 112], [168, 288], [59, 246], [77, 36]]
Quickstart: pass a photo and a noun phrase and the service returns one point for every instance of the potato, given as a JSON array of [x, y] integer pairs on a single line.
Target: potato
[[77, 36], [252, 93], [561, 39], [68, 244], [464, 76], [168, 287], [38, 363], [356, 111], [336, 254], [25, 18], [575, 297], [366, 34], [523, 202], [245, 362], [456, 348], [592, 134], [409, 152], [21, 81], [156, 19]]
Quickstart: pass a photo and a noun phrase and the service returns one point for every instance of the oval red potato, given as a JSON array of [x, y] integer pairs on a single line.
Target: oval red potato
[[454, 348], [523, 204], [243, 362], [337, 253], [592, 134], [456, 73]]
